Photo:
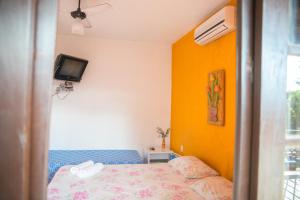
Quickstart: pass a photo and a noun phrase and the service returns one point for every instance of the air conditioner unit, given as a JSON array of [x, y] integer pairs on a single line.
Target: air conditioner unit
[[221, 23]]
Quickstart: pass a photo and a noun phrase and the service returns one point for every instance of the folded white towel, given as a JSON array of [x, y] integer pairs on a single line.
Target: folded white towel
[[90, 171], [74, 170]]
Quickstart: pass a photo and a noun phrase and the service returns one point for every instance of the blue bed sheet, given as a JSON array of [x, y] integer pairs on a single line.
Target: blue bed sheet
[[59, 158]]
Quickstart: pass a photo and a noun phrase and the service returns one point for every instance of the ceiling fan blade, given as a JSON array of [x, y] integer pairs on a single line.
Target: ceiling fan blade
[[97, 9], [92, 3], [86, 23], [105, 4]]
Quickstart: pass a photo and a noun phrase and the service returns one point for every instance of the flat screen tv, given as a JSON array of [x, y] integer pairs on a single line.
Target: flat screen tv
[[69, 68]]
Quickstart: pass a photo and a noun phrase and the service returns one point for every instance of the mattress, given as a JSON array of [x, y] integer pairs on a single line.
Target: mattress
[[124, 182], [59, 158]]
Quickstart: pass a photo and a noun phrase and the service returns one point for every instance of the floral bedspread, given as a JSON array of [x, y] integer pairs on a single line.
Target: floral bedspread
[[123, 182]]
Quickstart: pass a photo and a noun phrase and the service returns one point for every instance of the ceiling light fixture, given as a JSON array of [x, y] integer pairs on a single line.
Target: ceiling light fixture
[[78, 15], [80, 18], [77, 27]]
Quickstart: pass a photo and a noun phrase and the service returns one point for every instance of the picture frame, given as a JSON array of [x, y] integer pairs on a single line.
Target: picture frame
[[216, 97]]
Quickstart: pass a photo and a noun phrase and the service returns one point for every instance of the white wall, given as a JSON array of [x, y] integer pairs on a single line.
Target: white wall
[[124, 94]]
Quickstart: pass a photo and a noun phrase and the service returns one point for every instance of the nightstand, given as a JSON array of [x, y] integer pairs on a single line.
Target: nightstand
[[158, 155]]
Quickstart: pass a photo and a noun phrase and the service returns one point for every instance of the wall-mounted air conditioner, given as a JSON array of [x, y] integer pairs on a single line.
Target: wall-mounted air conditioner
[[221, 23]]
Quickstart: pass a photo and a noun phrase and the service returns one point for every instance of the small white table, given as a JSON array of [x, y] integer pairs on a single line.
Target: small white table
[[158, 155]]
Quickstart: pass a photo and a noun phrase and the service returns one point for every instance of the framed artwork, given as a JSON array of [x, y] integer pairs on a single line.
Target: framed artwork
[[216, 97]]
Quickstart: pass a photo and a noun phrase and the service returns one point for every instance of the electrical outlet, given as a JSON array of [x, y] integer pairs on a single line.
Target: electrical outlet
[[181, 148]]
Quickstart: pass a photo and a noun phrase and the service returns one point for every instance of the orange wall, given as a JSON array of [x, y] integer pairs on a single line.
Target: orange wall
[[190, 68]]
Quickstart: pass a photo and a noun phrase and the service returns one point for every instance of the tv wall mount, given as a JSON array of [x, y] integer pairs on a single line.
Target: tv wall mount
[[65, 87]]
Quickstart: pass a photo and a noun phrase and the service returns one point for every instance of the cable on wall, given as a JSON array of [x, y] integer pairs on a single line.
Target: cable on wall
[[63, 90]]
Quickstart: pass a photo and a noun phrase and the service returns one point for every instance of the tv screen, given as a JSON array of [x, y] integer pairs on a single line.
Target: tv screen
[[69, 68]]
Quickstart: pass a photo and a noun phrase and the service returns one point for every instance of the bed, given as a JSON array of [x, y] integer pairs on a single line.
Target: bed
[[59, 158], [123, 182], [183, 178]]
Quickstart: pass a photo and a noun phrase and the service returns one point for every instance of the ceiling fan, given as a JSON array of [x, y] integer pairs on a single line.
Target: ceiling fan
[[81, 22]]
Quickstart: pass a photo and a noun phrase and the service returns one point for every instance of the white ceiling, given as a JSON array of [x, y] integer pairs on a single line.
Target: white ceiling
[[162, 21]]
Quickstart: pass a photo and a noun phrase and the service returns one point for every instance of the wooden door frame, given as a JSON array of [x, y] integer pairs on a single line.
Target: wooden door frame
[[270, 56], [27, 39], [34, 181], [244, 99], [45, 36], [262, 51], [33, 149]]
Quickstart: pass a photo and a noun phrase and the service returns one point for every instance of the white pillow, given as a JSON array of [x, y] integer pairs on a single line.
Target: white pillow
[[213, 188], [192, 167]]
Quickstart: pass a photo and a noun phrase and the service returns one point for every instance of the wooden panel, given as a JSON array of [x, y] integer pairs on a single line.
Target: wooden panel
[[26, 59], [244, 100], [271, 32], [41, 99], [16, 50]]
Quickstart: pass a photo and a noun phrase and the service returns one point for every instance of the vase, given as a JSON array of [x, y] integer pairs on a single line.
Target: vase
[[213, 112], [163, 144]]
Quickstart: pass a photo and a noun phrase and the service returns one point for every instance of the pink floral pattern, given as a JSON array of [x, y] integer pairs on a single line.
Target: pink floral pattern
[[145, 193], [54, 191], [80, 195], [123, 182], [134, 173], [192, 167], [216, 188]]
